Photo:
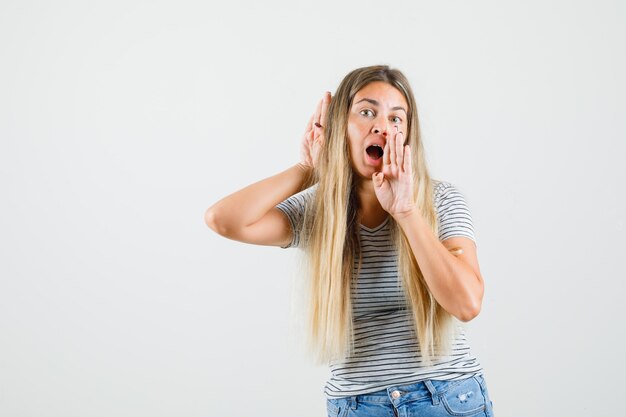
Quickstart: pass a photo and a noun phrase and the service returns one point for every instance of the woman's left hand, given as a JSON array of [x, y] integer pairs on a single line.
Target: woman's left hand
[[394, 185]]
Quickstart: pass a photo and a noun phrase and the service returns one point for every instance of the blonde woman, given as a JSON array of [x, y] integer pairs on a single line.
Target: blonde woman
[[391, 255]]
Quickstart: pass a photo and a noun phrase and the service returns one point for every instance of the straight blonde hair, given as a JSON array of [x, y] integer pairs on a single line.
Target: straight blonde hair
[[330, 233]]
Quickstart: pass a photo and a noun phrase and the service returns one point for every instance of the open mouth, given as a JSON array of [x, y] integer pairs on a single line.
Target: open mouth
[[375, 152]]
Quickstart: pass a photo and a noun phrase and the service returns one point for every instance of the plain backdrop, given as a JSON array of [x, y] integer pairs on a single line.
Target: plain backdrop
[[122, 121]]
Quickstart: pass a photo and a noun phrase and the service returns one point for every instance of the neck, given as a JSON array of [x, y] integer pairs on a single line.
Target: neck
[[366, 194], [370, 208]]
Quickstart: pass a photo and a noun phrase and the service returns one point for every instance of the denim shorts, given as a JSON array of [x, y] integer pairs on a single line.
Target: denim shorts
[[429, 398]]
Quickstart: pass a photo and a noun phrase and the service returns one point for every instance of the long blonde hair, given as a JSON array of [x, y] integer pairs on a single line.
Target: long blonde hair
[[331, 233]]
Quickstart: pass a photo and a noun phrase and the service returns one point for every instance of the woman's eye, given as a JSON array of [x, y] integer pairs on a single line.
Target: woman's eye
[[397, 119], [366, 111]]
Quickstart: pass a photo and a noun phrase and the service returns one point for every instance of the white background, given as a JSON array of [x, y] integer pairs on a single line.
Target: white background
[[122, 121]]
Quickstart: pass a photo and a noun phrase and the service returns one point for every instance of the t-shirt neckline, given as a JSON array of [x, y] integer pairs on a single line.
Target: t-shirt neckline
[[376, 228]]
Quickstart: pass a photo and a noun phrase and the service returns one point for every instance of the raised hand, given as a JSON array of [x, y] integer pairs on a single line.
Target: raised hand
[[394, 185], [313, 138]]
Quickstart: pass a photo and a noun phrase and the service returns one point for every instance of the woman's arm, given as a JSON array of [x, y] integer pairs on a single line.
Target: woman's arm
[[249, 215], [454, 280]]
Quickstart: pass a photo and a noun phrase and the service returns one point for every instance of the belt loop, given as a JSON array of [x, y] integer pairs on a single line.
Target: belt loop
[[353, 402], [433, 392]]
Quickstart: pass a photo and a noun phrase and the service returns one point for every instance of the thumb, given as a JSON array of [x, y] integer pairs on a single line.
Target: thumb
[[378, 178]]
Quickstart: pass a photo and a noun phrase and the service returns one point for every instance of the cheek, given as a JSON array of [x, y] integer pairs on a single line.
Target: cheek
[[405, 130], [352, 131], [353, 135], [352, 148]]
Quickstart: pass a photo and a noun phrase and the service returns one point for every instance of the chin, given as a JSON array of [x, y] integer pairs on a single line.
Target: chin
[[364, 173]]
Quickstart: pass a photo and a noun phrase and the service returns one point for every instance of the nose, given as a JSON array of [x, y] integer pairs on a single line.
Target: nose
[[381, 124], [380, 129]]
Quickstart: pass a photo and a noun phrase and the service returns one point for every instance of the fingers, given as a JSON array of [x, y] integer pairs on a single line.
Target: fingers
[[309, 137], [324, 110], [308, 132], [378, 178], [399, 140], [392, 150], [386, 154], [314, 132], [407, 160], [395, 153], [318, 111], [320, 116]]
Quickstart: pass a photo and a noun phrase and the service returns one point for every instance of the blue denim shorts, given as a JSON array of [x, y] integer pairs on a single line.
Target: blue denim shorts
[[429, 398]]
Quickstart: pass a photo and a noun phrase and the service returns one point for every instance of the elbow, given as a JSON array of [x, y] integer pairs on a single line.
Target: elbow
[[469, 313], [209, 218], [212, 220], [471, 309]]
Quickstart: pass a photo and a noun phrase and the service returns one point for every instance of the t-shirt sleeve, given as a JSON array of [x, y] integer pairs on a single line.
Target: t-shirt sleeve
[[453, 214], [293, 208]]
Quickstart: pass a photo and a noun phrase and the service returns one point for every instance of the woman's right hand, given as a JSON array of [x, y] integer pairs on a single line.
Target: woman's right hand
[[314, 139]]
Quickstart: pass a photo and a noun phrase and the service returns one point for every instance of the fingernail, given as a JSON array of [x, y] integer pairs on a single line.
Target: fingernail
[[318, 125]]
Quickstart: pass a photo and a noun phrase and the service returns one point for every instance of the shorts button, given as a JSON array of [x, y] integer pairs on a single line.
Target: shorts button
[[395, 395]]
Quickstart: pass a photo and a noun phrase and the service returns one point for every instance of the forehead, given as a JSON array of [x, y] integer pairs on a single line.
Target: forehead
[[384, 93]]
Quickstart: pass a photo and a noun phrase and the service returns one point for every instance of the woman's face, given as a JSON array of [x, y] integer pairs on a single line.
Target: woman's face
[[378, 111]]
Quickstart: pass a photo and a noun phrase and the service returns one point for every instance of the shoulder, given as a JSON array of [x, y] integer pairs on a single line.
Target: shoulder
[[307, 192], [299, 198], [449, 200], [295, 208], [443, 189], [453, 213]]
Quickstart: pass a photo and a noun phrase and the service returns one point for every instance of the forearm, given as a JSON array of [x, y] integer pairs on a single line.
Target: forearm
[[251, 203], [452, 282]]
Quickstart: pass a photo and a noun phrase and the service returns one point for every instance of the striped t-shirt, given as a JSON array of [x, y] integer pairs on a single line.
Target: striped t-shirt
[[386, 348]]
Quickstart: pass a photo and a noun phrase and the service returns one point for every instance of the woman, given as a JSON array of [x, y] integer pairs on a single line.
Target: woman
[[391, 253]]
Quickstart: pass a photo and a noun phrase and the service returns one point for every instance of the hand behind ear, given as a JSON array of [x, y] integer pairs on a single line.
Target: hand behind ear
[[313, 138]]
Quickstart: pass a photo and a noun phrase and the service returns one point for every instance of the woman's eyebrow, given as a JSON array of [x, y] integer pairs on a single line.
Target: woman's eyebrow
[[375, 103]]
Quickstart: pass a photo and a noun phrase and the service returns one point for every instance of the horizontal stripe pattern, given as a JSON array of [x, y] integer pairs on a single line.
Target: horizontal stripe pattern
[[386, 350]]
